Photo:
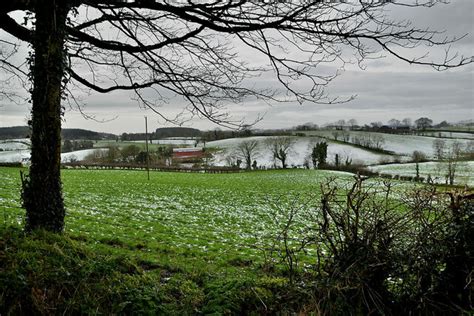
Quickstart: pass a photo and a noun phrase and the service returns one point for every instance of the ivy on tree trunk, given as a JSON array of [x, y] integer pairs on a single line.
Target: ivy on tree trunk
[[42, 194]]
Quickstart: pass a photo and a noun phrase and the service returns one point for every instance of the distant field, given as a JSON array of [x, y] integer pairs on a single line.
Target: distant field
[[444, 134], [400, 144], [14, 144], [437, 170], [300, 151]]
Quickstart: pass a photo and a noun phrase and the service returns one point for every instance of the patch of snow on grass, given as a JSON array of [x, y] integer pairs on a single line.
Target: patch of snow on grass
[[79, 154]]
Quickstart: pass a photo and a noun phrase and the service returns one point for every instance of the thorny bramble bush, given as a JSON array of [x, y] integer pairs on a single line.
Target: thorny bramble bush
[[376, 249]]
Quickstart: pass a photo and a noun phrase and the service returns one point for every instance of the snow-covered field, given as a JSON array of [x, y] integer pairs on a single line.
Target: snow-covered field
[[24, 154], [402, 144], [299, 153], [18, 150], [437, 170], [14, 144], [14, 155], [79, 154]]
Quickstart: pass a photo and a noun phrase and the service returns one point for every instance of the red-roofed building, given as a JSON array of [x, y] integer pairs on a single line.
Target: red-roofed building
[[188, 153]]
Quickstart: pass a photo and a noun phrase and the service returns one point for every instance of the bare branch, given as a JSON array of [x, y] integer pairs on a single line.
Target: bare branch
[[163, 49]]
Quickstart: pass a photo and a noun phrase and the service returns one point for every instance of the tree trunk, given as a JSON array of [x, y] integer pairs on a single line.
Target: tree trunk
[[248, 161], [42, 196], [451, 171]]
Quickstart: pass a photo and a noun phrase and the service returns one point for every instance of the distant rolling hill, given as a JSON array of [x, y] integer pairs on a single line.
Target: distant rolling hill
[[177, 132], [66, 133]]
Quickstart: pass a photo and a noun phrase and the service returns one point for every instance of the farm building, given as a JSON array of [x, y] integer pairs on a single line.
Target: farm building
[[188, 153]]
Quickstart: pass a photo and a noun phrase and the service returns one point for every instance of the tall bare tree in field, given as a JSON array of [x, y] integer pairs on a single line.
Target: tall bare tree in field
[[280, 148], [247, 151], [423, 123], [158, 49], [406, 122], [453, 157], [439, 148]]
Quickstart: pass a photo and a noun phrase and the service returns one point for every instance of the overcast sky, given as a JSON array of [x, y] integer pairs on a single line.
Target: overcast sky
[[386, 89]]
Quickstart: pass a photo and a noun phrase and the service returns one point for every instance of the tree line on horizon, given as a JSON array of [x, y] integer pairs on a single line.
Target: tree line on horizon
[[421, 123]]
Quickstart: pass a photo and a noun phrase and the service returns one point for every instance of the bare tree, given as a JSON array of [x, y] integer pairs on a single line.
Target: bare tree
[[352, 123], [346, 136], [13, 74], [340, 124], [394, 123], [406, 122], [157, 49], [247, 151], [377, 140], [423, 123], [417, 157], [470, 149], [129, 153], [439, 147], [376, 125], [453, 156], [232, 161], [280, 148]]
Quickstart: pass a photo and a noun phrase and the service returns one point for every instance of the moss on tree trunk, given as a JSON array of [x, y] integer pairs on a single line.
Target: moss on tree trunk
[[42, 194]]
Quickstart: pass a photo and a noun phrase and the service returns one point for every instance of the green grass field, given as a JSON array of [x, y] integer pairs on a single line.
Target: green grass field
[[179, 244], [193, 240], [199, 218]]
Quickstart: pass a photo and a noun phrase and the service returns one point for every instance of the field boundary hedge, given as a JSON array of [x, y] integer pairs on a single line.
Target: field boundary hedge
[[127, 166], [11, 164]]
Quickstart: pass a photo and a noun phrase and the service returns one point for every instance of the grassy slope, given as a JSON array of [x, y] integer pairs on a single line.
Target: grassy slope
[[327, 135], [372, 150], [180, 243], [195, 215], [48, 274]]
